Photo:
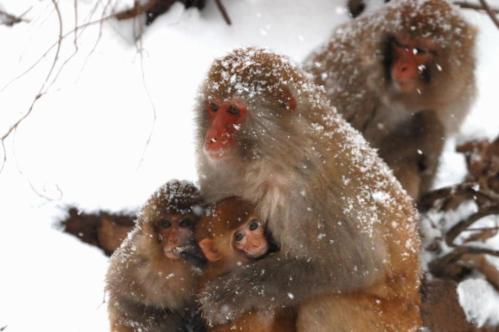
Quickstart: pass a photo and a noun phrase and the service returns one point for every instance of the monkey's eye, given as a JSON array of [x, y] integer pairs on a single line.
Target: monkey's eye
[[165, 223], [186, 223], [417, 51], [254, 225], [233, 110], [238, 236], [213, 107]]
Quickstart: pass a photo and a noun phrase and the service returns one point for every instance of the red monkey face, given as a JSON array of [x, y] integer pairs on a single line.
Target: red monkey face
[[175, 233], [250, 239], [225, 119], [247, 241], [411, 63]]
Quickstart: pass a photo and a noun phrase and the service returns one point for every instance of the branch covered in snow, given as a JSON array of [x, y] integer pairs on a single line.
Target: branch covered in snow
[[461, 248]]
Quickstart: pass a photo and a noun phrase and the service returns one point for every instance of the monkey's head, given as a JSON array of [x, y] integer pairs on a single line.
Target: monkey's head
[[232, 233], [248, 105], [168, 219], [428, 56]]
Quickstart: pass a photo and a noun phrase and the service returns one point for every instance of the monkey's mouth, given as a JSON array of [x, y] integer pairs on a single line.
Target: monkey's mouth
[[404, 87], [258, 252], [177, 251], [216, 154], [173, 253]]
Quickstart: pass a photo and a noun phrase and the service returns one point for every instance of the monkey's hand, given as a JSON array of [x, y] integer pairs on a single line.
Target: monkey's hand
[[219, 300], [260, 286]]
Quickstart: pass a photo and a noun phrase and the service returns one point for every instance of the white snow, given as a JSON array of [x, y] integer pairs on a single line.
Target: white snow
[[479, 301], [85, 142]]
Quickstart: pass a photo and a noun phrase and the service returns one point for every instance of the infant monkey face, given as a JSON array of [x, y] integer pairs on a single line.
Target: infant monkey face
[[175, 233]]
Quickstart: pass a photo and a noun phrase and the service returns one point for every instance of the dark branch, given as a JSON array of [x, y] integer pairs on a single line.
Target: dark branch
[[490, 12], [9, 19], [472, 6], [223, 11], [470, 190], [483, 6], [454, 232]]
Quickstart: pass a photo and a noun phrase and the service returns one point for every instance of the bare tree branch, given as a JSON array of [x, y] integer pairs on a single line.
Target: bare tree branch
[[473, 6], [450, 265], [481, 264], [470, 190], [140, 49], [454, 232], [10, 20], [490, 12], [223, 11], [75, 41], [41, 91]]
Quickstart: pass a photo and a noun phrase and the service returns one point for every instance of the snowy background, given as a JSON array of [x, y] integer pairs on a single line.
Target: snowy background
[[85, 142]]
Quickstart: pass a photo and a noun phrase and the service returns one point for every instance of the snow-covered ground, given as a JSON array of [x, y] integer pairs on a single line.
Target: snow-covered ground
[[86, 141]]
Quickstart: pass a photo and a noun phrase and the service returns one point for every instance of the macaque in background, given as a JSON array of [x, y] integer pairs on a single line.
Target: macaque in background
[[230, 236], [150, 282], [403, 76], [343, 223]]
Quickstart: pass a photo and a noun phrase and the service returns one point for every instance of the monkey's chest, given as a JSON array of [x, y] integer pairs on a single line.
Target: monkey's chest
[[163, 288]]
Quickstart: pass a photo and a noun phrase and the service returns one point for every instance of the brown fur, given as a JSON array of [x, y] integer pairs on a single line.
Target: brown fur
[[353, 67], [147, 291], [219, 224], [343, 223]]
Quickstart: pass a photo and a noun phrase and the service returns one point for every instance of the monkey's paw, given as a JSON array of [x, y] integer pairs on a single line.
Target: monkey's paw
[[219, 302], [215, 312]]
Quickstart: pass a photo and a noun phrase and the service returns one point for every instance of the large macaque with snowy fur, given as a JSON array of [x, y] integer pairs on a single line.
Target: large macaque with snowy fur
[[404, 77], [343, 224], [152, 277]]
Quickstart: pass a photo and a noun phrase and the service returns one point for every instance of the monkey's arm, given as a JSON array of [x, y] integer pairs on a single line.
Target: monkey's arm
[[413, 152], [276, 281]]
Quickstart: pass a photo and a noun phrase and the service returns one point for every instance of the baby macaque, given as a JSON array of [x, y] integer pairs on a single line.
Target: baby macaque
[[152, 277], [231, 236]]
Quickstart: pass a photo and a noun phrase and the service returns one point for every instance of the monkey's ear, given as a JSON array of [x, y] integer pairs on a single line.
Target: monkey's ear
[[209, 250]]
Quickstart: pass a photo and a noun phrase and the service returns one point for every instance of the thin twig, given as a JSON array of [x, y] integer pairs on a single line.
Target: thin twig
[[222, 10], [490, 12], [12, 19], [471, 189], [456, 254], [42, 91], [473, 6], [481, 264], [75, 41], [99, 37], [149, 98], [56, 43], [477, 229], [454, 232]]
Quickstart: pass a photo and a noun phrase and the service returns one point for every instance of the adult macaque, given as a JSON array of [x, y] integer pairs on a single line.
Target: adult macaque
[[231, 235], [343, 224], [383, 70], [150, 281]]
